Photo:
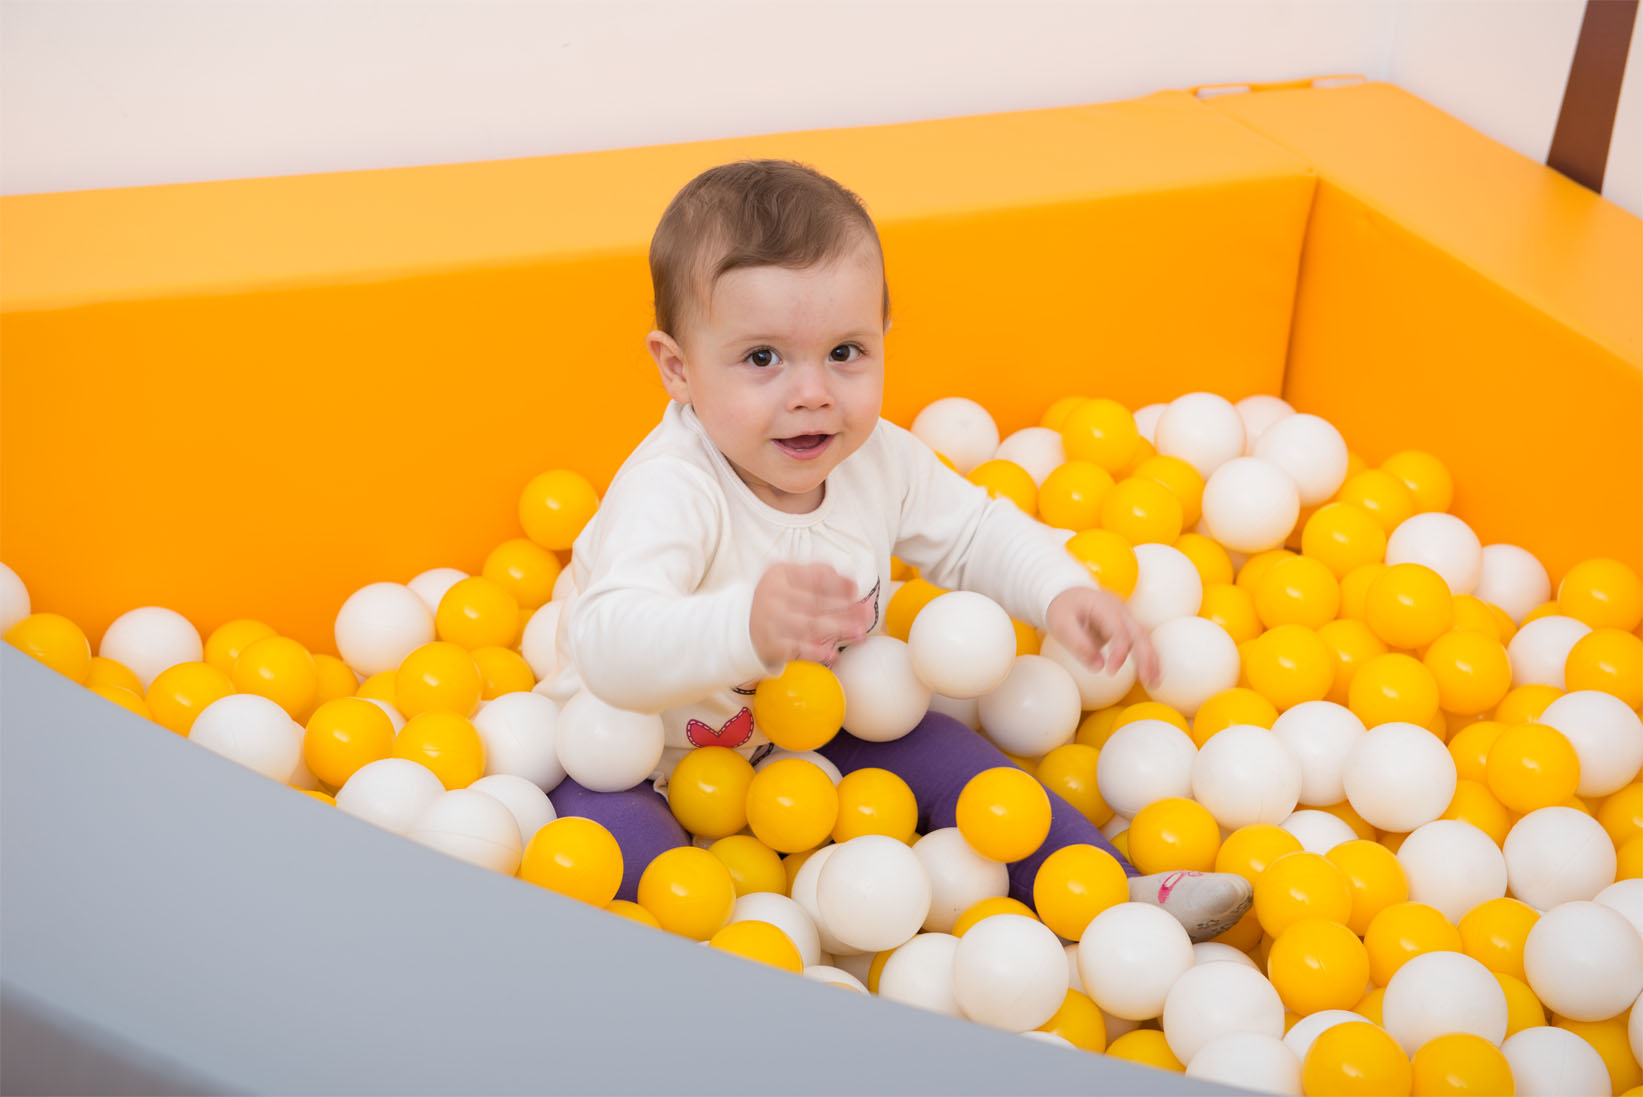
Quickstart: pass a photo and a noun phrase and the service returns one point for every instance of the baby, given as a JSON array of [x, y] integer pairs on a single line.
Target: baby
[[756, 523]]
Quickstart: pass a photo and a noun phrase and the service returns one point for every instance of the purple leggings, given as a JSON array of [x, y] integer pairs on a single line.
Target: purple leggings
[[936, 759]]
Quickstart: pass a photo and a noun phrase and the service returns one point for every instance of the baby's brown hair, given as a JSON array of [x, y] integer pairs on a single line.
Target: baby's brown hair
[[751, 213]]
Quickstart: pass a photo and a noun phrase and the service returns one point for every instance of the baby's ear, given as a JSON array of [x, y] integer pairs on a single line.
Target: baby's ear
[[670, 363]]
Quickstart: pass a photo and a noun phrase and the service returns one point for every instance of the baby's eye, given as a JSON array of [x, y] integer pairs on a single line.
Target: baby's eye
[[845, 352], [762, 357]]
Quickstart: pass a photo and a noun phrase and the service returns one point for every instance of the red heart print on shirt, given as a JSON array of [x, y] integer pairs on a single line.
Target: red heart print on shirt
[[736, 731]]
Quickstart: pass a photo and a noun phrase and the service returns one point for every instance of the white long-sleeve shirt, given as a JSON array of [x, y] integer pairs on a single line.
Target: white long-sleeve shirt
[[666, 569]]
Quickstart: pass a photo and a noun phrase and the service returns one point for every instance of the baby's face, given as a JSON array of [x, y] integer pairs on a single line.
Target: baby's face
[[785, 369]]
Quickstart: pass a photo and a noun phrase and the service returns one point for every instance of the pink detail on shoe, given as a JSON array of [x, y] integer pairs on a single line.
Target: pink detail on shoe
[[1170, 881]]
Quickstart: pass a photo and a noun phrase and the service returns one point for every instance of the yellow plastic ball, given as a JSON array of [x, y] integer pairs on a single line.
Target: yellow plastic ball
[[1393, 687], [1289, 665], [986, 908], [227, 640], [1493, 933], [1474, 803], [1301, 885], [1003, 813], [1148, 1047], [438, 677], [1602, 593], [1471, 671], [1074, 884], [181, 692], [1248, 850], [753, 865], [1233, 609], [1609, 1038], [1055, 416], [1345, 813], [1470, 749], [1079, 1021], [1352, 644], [1297, 590], [1629, 858], [1610, 661], [1213, 563], [708, 791], [875, 801], [1255, 568], [801, 708], [379, 687], [502, 670], [1343, 537], [1097, 727], [1426, 477], [1409, 605], [911, 597], [1071, 495], [1355, 1059], [761, 942], [1007, 480], [55, 641], [125, 698], [575, 857], [1100, 431], [1460, 1064], [1374, 878], [335, 679], [1184, 482], [1524, 704], [689, 891], [1231, 706], [1386, 498], [1369, 1006], [1532, 766], [1069, 772], [1523, 1009], [1621, 813], [1403, 931], [282, 670], [524, 569], [1150, 710], [1355, 586], [633, 912], [344, 734], [1109, 558], [446, 744], [478, 613], [1318, 964], [1545, 609], [1142, 512], [792, 805], [103, 671], [1026, 638], [1172, 834], [1475, 615], [555, 506]]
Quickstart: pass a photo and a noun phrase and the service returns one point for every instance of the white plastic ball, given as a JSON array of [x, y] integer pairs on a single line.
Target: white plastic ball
[[1034, 710], [1584, 961], [959, 876], [540, 642], [395, 717], [1217, 1000], [1097, 689], [564, 587], [1144, 761], [391, 793], [1038, 1036], [820, 761], [526, 802], [519, 731], [379, 625], [966, 710], [1557, 855], [1167, 586], [1437, 993], [14, 599], [148, 640], [961, 644], [1244, 774], [960, 430], [1252, 1060], [1453, 866], [834, 976], [1197, 659], [1399, 776], [1540, 649], [1625, 897], [1310, 451], [1259, 413], [1036, 449], [1250, 504], [1441, 542], [604, 748], [786, 915], [253, 731], [804, 892], [1130, 956], [1513, 579], [471, 827], [1634, 1029], [920, 973], [883, 698], [1320, 734], [1009, 972], [1318, 831], [432, 584], [1607, 737], [1201, 428], [1146, 420], [1309, 1028], [1554, 1062], [873, 893], [1074, 980], [1214, 952]]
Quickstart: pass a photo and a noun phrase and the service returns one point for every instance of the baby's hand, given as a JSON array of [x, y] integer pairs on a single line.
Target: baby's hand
[[806, 611], [1085, 619]]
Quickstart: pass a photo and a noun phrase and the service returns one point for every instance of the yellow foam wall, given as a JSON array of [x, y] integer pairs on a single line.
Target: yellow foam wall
[[1457, 297], [250, 398]]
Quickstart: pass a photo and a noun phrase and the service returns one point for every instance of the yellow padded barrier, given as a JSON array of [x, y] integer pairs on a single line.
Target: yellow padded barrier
[[1456, 296], [250, 398]]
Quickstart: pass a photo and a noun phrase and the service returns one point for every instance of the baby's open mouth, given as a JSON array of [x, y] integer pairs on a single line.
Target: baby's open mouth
[[804, 446]]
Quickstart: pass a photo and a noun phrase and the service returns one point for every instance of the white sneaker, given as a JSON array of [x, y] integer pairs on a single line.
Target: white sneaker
[[1206, 903]]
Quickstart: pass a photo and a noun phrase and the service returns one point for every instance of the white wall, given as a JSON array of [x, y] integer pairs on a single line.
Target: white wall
[[99, 93]]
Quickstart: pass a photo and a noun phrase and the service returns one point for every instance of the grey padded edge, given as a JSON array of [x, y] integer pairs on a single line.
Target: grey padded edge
[[192, 926]]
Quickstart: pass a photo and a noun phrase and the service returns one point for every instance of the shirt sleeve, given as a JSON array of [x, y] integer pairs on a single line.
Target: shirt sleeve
[[961, 538], [641, 636]]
